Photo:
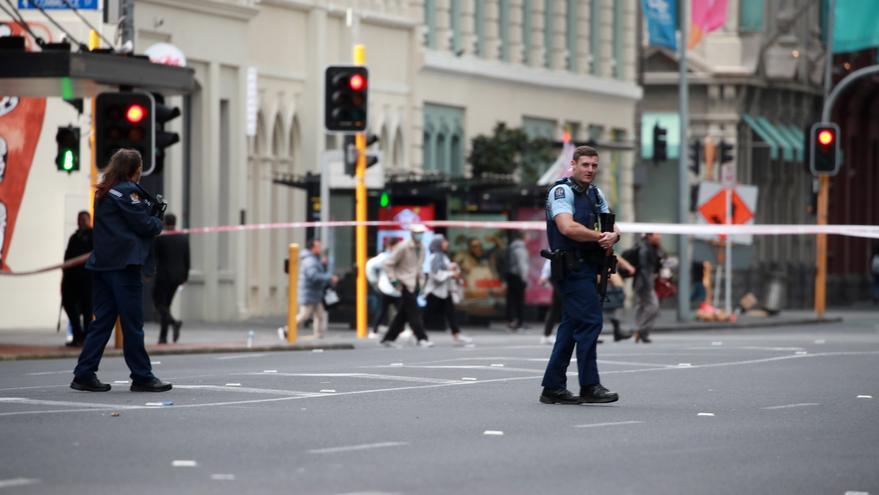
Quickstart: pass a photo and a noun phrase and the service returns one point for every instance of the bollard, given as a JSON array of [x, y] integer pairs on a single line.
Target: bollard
[[293, 294]]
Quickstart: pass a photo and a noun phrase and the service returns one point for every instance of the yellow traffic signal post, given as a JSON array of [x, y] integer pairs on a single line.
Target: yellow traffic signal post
[[292, 292], [360, 214]]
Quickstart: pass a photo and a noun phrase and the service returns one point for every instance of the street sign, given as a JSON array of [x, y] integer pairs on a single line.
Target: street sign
[[712, 208], [59, 4]]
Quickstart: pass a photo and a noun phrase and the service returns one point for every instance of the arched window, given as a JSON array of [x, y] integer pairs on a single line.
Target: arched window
[[397, 159], [293, 146], [442, 157], [456, 157], [278, 138]]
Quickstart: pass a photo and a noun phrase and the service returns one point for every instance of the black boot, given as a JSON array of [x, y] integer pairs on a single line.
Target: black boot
[[153, 385], [618, 334], [596, 394], [89, 384], [561, 396], [177, 324]]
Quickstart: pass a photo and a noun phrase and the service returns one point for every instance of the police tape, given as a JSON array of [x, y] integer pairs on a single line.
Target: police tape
[[863, 231]]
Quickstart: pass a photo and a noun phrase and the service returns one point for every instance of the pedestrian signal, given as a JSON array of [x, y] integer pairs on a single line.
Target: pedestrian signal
[[164, 138], [67, 157], [124, 120], [824, 152], [346, 90]]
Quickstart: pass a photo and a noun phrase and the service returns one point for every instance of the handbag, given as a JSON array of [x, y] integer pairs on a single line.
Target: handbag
[[331, 297]]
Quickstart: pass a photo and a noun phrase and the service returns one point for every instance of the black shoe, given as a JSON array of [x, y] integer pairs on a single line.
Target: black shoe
[[177, 325], [596, 394], [154, 385], [562, 396], [620, 335], [89, 384]]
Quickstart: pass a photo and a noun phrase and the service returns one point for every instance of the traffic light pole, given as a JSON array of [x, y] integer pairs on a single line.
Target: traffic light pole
[[683, 170], [360, 214]]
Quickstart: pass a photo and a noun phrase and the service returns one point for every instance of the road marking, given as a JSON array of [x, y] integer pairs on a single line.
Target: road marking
[[239, 388], [820, 341], [705, 414], [328, 391], [241, 356], [788, 406], [496, 433], [184, 463], [17, 482], [468, 379], [41, 373], [865, 397], [685, 365], [155, 362], [317, 350], [801, 353], [849, 492], [396, 364], [717, 343], [372, 376], [223, 477], [630, 363], [596, 425], [24, 400], [233, 384], [352, 448], [497, 365], [120, 382], [269, 371], [471, 367]]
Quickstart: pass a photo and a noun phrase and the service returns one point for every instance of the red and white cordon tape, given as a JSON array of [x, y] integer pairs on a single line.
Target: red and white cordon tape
[[865, 231]]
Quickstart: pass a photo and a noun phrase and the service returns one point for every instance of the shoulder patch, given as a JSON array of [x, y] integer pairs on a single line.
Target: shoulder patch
[[135, 198], [559, 193], [115, 193]]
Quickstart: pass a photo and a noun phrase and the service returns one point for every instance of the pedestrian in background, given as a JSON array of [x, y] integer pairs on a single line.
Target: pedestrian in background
[[404, 269], [555, 308], [172, 271], [378, 278], [76, 281], [616, 298], [874, 268], [442, 281], [126, 223], [517, 279], [314, 278], [647, 305]]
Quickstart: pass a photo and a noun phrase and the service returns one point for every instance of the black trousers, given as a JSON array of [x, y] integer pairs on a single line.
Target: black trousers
[[76, 298], [445, 309], [163, 296], [408, 312], [554, 314], [386, 303], [515, 299]]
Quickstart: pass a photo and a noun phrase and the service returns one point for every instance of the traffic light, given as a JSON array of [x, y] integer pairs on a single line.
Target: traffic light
[[824, 154], [725, 152], [163, 114], [67, 158], [384, 200], [350, 153], [346, 88], [660, 141], [695, 155], [124, 120]]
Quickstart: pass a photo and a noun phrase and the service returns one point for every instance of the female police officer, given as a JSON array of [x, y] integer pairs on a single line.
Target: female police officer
[[123, 236]]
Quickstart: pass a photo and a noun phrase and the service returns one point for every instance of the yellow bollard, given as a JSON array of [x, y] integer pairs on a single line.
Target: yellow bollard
[[293, 292]]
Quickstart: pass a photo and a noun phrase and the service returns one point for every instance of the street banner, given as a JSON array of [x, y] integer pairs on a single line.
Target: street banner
[[59, 4], [856, 25], [661, 17], [706, 16]]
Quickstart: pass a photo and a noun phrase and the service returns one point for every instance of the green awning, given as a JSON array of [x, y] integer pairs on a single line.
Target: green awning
[[794, 139], [764, 135], [787, 151]]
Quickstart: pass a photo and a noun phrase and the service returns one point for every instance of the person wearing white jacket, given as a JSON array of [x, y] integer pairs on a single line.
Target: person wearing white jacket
[[375, 274], [442, 286]]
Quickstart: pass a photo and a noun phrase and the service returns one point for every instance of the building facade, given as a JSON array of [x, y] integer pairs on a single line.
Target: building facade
[[441, 72]]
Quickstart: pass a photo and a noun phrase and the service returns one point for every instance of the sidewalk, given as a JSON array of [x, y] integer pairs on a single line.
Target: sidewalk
[[198, 337]]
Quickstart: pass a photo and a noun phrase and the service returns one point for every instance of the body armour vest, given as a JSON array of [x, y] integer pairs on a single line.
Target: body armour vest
[[585, 213]]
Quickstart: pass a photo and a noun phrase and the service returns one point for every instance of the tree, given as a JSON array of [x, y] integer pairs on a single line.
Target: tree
[[511, 151]]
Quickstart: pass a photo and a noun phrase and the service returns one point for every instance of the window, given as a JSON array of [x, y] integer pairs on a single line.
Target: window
[[455, 24], [595, 36], [539, 128], [751, 15], [571, 15], [480, 28], [443, 139], [430, 22]]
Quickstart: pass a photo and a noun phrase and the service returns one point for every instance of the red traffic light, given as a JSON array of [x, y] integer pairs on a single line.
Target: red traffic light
[[135, 114], [357, 82], [825, 137]]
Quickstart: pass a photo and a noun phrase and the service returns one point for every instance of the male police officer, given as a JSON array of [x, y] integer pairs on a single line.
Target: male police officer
[[572, 212]]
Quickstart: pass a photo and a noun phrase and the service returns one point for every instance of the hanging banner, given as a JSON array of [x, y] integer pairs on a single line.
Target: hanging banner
[[661, 17], [706, 16]]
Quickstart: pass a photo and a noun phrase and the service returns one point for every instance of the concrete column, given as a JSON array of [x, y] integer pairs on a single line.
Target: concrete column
[[514, 32], [558, 61], [443, 25], [538, 50], [210, 183], [492, 33], [468, 26], [584, 51], [238, 244]]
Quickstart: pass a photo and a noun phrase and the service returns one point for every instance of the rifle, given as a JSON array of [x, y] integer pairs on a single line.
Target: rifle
[[609, 264]]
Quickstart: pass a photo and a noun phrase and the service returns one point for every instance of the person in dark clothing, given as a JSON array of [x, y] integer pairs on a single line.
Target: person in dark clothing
[[126, 222], [172, 270], [517, 279], [76, 282]]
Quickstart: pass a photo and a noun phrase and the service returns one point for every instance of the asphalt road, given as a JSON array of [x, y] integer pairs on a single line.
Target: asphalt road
[[772, 411]]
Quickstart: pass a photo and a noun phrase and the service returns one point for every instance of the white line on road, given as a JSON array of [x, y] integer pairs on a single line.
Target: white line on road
[[352, 448], [849, 492], [223, 477], [596, 425], [788, 406], [17, 482], [705, 414], [865, 397], [41, 373], [92, 405], [239, 388], [496, 433], [372, 376], [184, 463], [241, 356]]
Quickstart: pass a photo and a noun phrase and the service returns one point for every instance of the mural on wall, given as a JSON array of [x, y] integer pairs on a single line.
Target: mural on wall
[[21, 121]]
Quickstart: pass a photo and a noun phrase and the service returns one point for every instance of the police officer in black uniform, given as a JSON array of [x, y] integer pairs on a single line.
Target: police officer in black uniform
[[127, 220], [573, 206]]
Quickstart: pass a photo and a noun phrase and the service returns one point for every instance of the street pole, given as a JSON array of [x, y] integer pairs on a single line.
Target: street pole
[[360, 200], [127, 11], [730, 179], [824, 181], [683, 169]]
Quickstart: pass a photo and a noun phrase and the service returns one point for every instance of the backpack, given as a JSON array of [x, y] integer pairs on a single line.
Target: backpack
[[631, 255], [502, 262]]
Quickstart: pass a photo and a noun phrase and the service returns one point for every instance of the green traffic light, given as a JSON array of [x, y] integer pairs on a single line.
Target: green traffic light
[[385, 200], [67, 161]]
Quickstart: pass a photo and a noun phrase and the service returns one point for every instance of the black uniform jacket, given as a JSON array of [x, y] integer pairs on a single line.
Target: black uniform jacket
[[172, 258]]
